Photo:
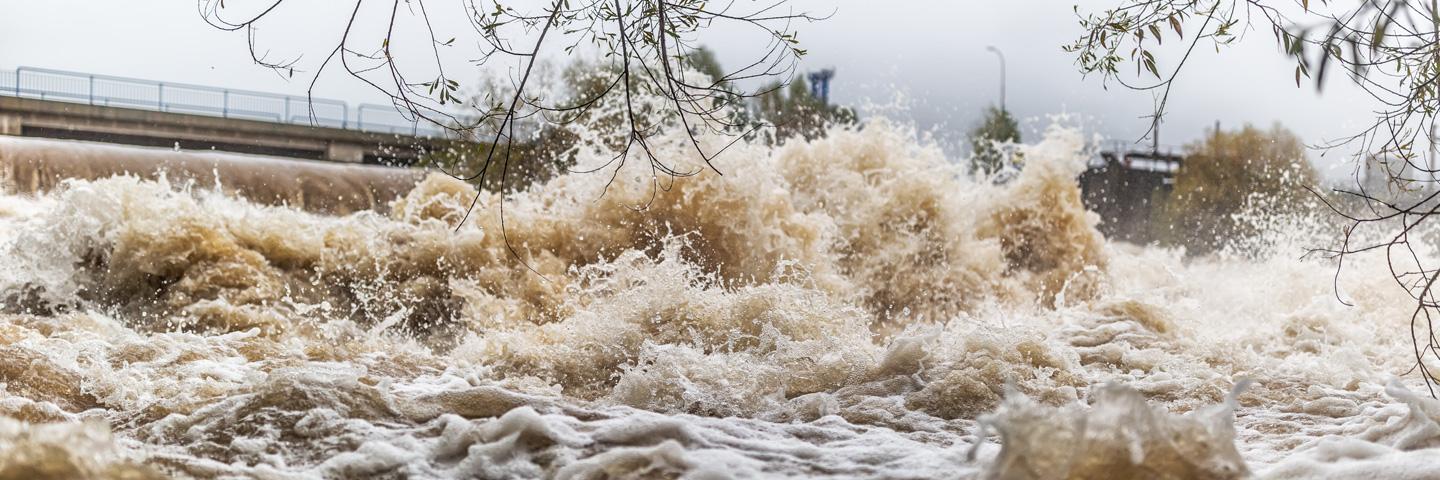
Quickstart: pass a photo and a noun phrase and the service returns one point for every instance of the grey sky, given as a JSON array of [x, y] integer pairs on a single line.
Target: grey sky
[[932, 51]]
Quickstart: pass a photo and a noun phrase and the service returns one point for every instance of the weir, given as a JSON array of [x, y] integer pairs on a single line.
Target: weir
[[31, 166]]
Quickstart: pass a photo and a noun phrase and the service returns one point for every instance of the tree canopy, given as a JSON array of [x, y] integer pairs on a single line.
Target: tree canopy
[[553, 147], [643, 46], [1226, 173], [996, 129], [795, 112]]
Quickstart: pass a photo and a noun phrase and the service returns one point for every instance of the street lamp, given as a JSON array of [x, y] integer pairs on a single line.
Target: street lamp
[[997, 52]]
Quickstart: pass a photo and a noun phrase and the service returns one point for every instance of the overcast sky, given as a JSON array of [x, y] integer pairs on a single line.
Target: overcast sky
[[931, 54]]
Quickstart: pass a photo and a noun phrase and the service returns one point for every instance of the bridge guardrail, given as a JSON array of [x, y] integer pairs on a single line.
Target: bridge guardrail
[[109, 90]]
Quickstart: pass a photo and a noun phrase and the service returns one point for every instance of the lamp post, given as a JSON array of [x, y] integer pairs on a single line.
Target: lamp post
[[997, 53]]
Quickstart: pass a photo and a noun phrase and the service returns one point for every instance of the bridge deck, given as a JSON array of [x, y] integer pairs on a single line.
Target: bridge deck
[[58, 119]]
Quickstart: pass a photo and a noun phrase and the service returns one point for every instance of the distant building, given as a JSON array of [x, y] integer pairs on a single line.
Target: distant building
[[1125, 187], [820, 84]]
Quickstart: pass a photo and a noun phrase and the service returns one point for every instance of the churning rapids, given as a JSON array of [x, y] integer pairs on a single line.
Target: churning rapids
[[852, 307]]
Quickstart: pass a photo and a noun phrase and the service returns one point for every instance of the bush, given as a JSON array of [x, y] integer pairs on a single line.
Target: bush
[[1224, 175]]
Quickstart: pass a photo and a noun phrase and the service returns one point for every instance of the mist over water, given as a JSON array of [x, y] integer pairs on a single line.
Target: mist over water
[[852, 307]]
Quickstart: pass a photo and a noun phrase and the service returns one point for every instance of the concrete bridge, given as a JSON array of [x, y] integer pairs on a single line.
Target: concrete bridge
[[69, 105]]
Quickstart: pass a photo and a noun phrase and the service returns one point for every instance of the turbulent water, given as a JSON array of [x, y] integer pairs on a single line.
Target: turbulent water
[[852, 307]]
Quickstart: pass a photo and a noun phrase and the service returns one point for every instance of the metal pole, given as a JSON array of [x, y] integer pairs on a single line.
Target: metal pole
[[1155, 137], [997, 52], [160, 97], [92, 89], [287, 109], [225, 107]]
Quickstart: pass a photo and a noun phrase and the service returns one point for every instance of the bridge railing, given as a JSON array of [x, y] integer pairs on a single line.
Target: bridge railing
[[108, 90]]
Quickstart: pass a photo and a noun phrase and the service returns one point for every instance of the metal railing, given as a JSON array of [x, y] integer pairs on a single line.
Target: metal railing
[[113, 91]]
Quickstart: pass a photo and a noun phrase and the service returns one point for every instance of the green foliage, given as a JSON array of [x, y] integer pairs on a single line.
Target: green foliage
[[796, 113], [531, 162], [1226, 174], [553, 145], [1131, 33], [649, 43], [996, 129], [703, 60]]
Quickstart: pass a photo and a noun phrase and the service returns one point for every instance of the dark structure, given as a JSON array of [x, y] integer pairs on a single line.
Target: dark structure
[[820, 84], [1125, 188]]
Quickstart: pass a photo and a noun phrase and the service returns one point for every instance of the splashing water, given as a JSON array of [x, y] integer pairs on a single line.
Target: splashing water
[[847, 308]]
